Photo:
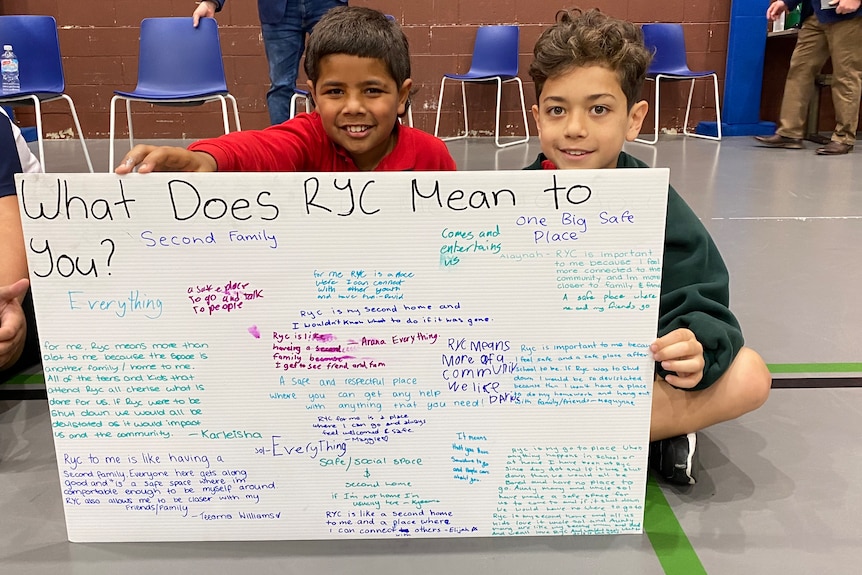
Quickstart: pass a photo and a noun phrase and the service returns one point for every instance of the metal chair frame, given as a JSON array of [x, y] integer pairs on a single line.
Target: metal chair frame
[[495, 59], [158, 91], [669, 63]]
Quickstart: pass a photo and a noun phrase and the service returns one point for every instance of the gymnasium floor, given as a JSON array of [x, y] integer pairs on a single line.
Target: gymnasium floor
[[775, 488]]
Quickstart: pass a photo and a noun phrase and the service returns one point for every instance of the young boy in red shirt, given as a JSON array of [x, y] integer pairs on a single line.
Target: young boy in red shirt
[[358, 68], [589, 69]]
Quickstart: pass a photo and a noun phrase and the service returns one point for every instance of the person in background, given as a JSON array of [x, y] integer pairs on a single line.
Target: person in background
[[19, 343], [284, 25], [830, 29], [358, 67], [589, 69]]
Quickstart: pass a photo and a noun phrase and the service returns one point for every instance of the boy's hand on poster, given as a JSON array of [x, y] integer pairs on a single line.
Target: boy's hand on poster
[[680, 352], [165, 159], [13, 324]]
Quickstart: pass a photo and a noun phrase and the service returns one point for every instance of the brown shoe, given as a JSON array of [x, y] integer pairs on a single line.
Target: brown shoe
[[835, 149], [778, 141]]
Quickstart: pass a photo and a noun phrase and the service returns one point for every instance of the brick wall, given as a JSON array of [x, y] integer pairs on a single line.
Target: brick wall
[[99, 45]]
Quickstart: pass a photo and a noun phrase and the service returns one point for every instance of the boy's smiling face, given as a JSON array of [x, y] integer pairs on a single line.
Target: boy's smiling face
[[359, 103], [583, 120]]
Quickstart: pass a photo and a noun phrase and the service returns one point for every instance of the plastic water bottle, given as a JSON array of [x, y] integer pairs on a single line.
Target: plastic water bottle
[[9, 67]]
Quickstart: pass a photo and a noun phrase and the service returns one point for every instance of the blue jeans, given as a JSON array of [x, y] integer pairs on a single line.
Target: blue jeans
[[284, 42]]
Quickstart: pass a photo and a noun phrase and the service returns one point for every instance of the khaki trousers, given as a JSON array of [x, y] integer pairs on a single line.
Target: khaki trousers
[[816, 42]]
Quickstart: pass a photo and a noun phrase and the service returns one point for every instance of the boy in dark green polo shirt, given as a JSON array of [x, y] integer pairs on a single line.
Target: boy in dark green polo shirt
[[588, 70]]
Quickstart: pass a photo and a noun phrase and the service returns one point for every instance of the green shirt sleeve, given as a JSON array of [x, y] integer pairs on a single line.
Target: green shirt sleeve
[[695, 291]]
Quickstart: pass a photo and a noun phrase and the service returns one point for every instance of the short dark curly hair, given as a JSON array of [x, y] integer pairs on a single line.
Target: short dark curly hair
[[591, 38], [359, 31]]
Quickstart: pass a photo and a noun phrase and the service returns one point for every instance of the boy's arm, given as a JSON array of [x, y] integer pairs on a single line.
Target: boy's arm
[[695, 291], [292, 146], [165, 159]]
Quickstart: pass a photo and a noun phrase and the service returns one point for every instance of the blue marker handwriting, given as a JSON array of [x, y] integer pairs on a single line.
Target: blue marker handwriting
[[135, 302]]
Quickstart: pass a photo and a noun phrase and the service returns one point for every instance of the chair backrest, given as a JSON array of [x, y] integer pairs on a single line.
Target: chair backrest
[[667, 43], [34, 41], [495, 52], [178, 59]]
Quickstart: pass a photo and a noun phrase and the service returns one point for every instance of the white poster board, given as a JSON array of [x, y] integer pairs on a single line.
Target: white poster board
[[372, 355]]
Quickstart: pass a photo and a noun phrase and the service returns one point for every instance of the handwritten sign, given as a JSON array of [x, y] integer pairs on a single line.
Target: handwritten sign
[[315, 356]]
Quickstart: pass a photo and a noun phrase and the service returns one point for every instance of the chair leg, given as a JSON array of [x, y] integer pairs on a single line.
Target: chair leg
[[37, 105], [223, 102], [111, 133], [464, 108], [40, 141], [80, 133], [129, 122], [439, 107], [717, 106], [655, 135], [717, 113], [523, 110], [235, 111], [293, 100], [688, 109], [497, 114]]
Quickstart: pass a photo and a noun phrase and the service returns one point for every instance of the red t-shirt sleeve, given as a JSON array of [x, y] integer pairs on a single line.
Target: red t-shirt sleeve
[[286, 147]]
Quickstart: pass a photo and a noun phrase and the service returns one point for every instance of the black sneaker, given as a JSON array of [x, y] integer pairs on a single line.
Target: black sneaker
[[673, 458]]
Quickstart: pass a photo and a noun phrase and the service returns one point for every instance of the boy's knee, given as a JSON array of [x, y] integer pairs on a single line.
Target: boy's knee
[[755, 377]]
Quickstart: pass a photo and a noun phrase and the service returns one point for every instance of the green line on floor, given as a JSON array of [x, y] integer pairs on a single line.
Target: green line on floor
[[814, 367], [671, 546]]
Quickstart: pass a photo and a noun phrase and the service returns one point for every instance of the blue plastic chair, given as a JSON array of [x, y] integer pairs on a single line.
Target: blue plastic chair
[[34, 40], [667, 43], [178, 65], [495, 59]]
